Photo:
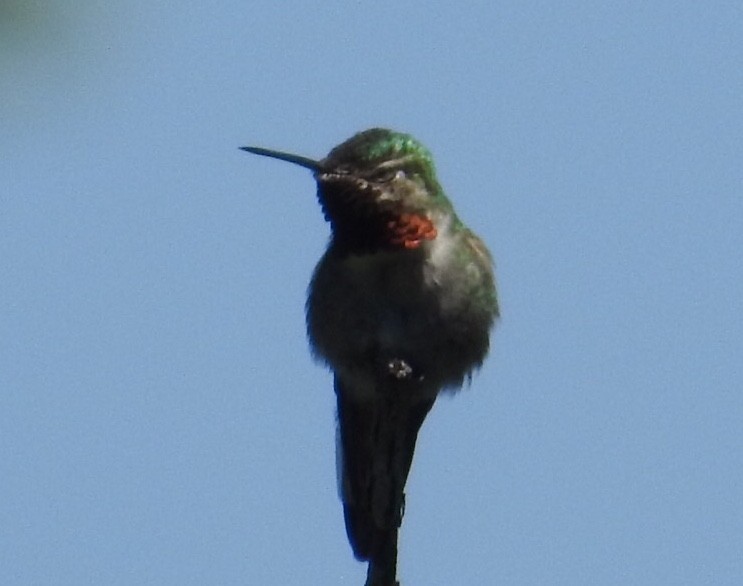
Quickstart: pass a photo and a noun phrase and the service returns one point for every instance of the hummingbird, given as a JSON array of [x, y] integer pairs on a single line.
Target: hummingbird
[[400, 308]]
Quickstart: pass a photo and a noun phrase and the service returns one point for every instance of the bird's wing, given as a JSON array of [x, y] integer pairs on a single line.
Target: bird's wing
[[376, 441]]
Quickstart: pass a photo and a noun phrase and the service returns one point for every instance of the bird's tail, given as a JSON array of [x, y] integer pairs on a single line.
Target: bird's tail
[[377, 441]]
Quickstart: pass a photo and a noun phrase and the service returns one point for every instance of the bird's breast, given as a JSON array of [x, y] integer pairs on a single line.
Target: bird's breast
[[363, 310]]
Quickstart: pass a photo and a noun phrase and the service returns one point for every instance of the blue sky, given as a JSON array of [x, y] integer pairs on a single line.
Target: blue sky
[[161, 419]]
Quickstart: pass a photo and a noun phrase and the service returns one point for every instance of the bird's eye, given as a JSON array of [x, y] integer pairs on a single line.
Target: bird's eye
[[387, 175]]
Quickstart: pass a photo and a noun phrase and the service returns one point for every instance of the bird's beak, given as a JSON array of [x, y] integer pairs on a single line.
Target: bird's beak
[[305, 162]]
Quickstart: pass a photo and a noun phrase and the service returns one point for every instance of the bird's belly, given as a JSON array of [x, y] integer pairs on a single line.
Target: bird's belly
[[363, 316]]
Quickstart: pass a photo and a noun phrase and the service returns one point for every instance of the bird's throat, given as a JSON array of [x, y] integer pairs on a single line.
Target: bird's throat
[[409, 230]]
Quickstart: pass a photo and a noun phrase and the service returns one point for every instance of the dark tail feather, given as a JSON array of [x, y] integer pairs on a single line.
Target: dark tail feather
[[382, 569], [377, 439]]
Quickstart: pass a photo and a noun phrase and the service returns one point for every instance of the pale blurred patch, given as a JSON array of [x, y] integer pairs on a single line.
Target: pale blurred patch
[[48, 54], [29, 28]]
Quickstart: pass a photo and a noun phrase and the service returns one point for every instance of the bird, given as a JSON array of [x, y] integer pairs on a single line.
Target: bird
[[400, 307]]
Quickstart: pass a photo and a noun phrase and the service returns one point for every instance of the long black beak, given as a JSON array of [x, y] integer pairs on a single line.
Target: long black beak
[[305, 162]]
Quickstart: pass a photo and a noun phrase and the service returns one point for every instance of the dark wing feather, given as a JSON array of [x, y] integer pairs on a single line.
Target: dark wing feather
[[377, 439]]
